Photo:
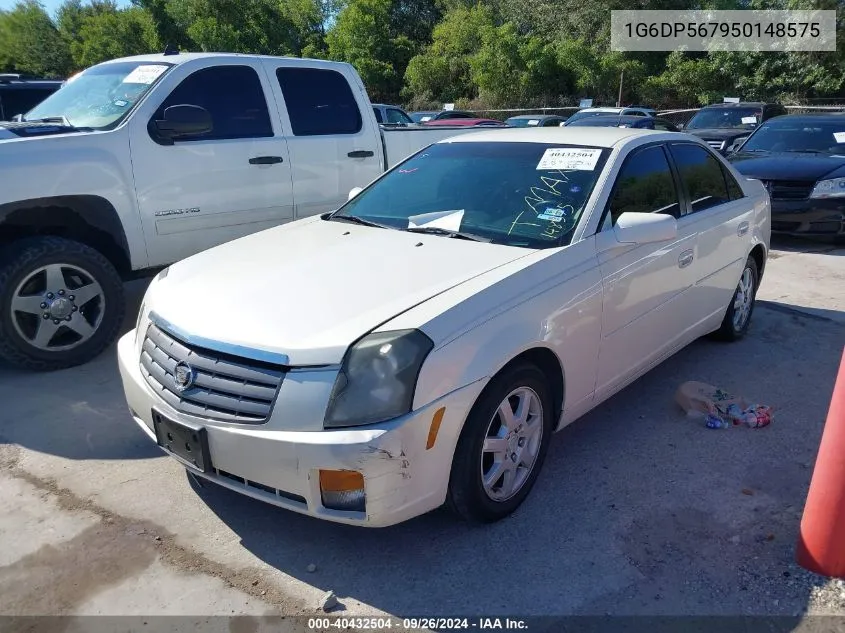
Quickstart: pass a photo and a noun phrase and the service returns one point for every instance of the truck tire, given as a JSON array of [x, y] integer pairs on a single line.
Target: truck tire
[[61, 303]]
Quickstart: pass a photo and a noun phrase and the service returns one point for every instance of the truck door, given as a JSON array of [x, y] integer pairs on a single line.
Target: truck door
[[209, 188], [334, 142]]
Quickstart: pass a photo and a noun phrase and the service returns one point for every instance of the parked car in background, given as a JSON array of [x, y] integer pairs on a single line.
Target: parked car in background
[[424, 117], [801, 161], [636, 122], [422, 343], [19, 93], [588, 112], [725, 125], [464, 123], [535, 120], [391, 115], [153, 158]]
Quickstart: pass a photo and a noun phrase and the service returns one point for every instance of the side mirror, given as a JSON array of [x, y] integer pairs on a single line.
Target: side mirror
[[645, 228], [183, 120], [354, 192]]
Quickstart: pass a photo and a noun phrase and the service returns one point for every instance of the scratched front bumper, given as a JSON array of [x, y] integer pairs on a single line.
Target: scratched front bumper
[[402, 478]]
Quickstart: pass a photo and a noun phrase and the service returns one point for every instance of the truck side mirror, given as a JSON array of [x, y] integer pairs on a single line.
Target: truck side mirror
[[183, 120]]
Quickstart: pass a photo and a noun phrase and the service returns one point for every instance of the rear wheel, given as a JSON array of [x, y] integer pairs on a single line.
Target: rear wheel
[[738, 315], [502, 446], [61, 303]]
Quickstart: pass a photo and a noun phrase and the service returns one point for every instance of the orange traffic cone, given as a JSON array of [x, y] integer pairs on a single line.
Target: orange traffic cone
[[821, 541]]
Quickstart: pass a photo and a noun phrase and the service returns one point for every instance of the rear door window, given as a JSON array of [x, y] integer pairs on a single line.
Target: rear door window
[[319, 102], [702, 176]]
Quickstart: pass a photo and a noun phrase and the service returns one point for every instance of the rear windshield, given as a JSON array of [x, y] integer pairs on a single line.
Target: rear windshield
[[530, 195], [739, 118], [786, 134]]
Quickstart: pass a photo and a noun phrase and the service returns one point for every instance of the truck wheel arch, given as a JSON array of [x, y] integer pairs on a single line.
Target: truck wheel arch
[[91, 220]]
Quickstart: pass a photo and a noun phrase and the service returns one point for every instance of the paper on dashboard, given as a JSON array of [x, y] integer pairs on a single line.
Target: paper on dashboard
[[448, 220]]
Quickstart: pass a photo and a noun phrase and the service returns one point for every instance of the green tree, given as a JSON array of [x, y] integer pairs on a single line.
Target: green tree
[[361, 37], [31, 43], [106, 32], [442, 72]]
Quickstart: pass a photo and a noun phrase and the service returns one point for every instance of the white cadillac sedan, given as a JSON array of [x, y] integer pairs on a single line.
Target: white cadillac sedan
[[420, 345]]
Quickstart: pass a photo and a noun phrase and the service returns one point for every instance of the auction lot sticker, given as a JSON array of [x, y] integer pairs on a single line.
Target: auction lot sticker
[[578, 158]]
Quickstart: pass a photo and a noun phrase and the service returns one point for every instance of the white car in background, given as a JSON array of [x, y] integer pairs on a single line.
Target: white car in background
[[421, 344]]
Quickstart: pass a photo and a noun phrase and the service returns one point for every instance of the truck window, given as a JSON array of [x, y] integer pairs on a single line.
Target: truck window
[[232, 95], [377, 112], [319, 102], [397, 116]]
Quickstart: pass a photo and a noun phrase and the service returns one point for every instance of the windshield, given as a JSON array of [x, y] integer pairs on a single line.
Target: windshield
[[417, 117], [583, 114], [100, 96], [507, 193], [729, 118], [789, 135], [522, 122]]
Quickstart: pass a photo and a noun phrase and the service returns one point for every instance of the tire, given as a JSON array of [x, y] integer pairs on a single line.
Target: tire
[[467, 495], [734, 328], [61, 339]]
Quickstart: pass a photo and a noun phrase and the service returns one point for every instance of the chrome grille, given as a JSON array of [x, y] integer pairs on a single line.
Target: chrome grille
[[717, 145], [227, 388]]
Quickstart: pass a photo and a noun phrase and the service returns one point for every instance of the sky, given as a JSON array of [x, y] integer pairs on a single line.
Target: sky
[[50, 5]]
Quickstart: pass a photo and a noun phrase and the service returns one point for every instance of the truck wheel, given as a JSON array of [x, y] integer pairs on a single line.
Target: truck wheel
[[502, 446], [61, 303]]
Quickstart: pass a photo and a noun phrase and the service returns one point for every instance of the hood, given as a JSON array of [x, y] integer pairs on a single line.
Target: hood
[[789, 166], [20, 130], [309, 289], [719, 134]]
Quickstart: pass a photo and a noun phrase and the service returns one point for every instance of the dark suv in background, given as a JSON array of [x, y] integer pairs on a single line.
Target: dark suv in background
[[19, 94], [725, 125]]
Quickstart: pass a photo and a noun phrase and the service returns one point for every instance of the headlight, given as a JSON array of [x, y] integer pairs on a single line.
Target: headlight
[[833, 188], [377, 379]]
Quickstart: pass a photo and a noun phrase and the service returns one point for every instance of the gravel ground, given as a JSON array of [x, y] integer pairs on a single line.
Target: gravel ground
[[638, 511]]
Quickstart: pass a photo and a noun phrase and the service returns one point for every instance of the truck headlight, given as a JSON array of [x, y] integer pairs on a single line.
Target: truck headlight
[[377, 378], [833, 188]]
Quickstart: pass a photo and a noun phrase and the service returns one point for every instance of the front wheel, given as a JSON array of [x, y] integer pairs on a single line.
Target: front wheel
[[738, 315], [61, 303], [502, 446]]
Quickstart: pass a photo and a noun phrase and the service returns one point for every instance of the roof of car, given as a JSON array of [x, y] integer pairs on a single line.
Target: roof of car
[[535, 116], [181, 58], [826, 117], [741, 104], [587, 136]]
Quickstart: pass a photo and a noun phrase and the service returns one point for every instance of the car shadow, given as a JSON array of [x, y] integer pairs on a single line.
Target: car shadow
[[807, 244], [638, 511], [74, 413]]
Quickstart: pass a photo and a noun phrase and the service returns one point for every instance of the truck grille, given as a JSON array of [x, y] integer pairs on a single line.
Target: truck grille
[[717, 145], [789, 189], [223, 387]]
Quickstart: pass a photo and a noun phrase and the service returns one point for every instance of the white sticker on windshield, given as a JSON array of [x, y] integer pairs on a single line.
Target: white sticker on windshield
[[449, 220], [839, 137], [578, 158], [553, 215], [425, 118], [144, 74], [533, 121], [749, 119]]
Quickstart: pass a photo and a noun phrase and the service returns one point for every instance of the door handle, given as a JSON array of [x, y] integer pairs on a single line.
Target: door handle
[[266, 160], [742, 229], [685, 259], [361, 153]]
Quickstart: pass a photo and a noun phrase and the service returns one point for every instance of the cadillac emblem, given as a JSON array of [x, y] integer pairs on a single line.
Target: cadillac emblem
[[183, 376]]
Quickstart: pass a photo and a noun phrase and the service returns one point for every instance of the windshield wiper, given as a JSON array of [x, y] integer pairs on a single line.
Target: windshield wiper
[[806, 151], [50, 119], [436, 230], [356, 220]]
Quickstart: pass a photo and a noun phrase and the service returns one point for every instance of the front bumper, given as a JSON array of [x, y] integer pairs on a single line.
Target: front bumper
[[809, 217], [402, 477]]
